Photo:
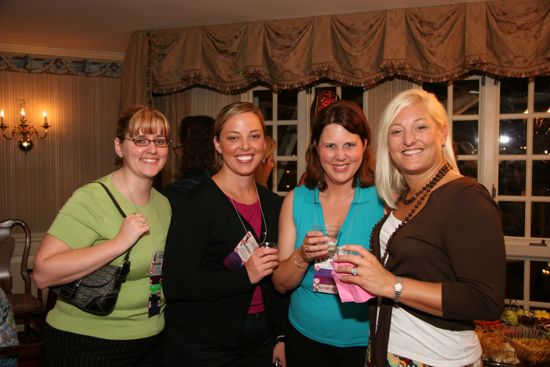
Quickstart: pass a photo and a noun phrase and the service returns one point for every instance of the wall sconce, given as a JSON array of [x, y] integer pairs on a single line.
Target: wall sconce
[[23, 129]]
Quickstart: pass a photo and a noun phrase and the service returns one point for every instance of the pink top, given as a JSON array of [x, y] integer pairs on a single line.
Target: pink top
[[253, 214]]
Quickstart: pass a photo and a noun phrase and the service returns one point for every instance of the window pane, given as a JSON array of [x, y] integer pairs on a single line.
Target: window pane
[[541, 136], [354, 94], [513, 137], [287, 105], [540, 220], [542, 94], [269, 130], [287, 136], [541, 178], [514, 279], [513, 218], [287, 173], [264, 100], [511, 178], [465, 137], [440, 91], [466, 97], [468, 168], [540, 281], [513, 95]]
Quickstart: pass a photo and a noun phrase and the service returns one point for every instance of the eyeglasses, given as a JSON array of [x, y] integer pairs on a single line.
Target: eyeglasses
[[160, 142]]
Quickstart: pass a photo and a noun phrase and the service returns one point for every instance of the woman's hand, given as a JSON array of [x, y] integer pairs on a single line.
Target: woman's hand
[[261, 263], [314, 246], [369, 273], [279, 354], [133, 227]]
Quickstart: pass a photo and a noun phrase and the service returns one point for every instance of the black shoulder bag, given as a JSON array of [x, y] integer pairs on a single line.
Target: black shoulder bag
[[97, 292]]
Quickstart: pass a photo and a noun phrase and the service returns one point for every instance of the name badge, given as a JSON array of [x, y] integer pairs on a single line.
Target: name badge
[[241, 252], [155, 284], [323, 282]]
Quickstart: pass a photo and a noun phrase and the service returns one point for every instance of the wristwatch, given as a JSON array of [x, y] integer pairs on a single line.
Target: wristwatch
[[397, 289]]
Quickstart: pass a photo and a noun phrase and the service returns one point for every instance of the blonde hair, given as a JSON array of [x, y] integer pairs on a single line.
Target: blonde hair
[[229, 111], [261, 175], [144, 118], [389, 181]]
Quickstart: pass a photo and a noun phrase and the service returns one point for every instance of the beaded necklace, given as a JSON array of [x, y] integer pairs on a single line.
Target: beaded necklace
[[423, 195]]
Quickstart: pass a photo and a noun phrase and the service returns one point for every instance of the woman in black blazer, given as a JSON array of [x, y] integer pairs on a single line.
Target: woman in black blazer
[[222, 311]]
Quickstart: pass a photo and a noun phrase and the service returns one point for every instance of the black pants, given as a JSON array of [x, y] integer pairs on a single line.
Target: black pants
[[65, 349], [304, 352], [255, 348]]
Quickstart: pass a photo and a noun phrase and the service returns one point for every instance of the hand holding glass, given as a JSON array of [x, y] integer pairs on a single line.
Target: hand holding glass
[[331, 231]]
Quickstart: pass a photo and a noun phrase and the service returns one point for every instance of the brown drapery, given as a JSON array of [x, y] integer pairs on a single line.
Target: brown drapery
[[503, 38]]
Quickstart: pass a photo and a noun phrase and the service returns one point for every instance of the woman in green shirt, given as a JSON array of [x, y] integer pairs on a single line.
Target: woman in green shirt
[[89, 232]]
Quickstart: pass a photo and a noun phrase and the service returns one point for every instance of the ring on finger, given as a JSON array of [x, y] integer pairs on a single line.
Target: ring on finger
[[354, 271]]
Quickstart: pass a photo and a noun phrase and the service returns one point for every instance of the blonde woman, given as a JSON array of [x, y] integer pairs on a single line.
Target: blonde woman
[[438, 260], [222, 309], [268, 163]]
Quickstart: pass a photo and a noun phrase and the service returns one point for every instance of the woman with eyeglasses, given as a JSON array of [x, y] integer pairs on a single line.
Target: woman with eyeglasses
[[222, 309], [89, 232]]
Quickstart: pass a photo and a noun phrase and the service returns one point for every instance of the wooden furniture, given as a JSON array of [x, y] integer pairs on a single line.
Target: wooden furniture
[[28, 309], [28, 354]]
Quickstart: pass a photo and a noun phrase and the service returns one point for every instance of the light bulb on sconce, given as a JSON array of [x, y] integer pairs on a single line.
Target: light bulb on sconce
[[23, 130]]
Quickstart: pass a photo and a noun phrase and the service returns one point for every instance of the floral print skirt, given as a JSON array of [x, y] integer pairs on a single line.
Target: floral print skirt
[[398, 361]]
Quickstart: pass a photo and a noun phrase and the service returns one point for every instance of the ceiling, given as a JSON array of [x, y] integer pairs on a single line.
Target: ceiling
[[102, 28]]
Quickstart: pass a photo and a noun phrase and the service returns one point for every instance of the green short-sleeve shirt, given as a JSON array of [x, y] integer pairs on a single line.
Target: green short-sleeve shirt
[[89, 217]]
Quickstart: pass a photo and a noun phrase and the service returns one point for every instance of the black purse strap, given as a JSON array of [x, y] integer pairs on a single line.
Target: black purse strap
[[127, 256]]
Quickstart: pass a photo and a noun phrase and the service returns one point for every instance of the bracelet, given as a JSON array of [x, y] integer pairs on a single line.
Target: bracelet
[[296, 262]]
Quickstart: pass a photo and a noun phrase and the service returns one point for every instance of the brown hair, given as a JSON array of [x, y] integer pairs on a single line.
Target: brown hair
[[351, 117], [144, 118], [197, 146]]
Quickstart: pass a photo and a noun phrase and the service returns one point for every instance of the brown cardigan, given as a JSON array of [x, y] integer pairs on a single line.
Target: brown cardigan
[[455, 240]]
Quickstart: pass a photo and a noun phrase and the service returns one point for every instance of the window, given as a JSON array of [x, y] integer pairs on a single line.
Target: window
[[282, 114], [501, 135], [524, 157]]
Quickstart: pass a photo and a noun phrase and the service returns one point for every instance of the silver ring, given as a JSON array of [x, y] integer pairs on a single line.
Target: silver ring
[[354, 271]]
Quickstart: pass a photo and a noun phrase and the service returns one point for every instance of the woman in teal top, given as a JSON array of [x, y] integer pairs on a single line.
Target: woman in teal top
[[338, 191], [89, 232]]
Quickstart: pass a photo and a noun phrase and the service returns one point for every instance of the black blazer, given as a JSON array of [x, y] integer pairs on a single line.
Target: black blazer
[[205, 300]]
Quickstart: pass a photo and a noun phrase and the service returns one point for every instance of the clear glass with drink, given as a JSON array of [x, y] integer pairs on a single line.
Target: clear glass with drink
[[331, 231]]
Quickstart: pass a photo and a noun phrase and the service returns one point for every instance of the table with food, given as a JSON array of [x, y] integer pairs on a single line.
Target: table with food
[[520, 338]]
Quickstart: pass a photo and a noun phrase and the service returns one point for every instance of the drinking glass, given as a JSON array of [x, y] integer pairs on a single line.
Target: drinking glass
[[332, 231]]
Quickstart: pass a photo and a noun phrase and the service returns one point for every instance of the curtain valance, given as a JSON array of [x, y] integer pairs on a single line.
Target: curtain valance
[[504, 38], [59, 65]]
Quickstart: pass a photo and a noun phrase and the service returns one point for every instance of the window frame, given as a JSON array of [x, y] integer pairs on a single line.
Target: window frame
[[526, 248]]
